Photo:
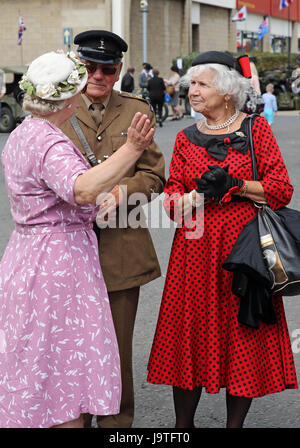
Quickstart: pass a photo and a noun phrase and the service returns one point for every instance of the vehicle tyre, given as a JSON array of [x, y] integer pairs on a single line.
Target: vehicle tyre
[[7, 121]]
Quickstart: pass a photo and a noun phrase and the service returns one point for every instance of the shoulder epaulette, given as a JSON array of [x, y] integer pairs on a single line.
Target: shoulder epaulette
[[132, 96]]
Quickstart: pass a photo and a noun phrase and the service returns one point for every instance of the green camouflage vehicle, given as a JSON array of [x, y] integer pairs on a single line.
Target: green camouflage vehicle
[[285, 83], [12, 113]]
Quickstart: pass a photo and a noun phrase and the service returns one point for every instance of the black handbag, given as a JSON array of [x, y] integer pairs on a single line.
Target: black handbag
[[279, 242]]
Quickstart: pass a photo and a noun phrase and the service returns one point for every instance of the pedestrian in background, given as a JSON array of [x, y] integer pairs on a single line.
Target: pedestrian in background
[[270, 107], [144, 77], [59, 354], [157, 89], [174, 82], [151, 68], [127, 84], [254, 76], [104, 116], [199, 340]]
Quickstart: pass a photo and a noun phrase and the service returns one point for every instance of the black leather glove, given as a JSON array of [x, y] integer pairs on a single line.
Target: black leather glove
[[216, 182]]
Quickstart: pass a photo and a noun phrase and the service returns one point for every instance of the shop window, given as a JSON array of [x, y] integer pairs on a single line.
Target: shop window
[[279, 44], [247, 41]]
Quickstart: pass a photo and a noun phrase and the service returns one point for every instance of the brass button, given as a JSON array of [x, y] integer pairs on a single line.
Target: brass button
[[99, 138]]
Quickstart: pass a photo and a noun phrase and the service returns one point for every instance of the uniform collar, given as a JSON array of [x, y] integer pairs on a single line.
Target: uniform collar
[[112, 111], [88, 102]]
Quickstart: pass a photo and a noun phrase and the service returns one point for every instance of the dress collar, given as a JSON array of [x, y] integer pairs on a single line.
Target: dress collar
[[218, 145]]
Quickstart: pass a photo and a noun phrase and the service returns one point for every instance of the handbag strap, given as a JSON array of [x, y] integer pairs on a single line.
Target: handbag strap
[[88, 152], [252, 153]]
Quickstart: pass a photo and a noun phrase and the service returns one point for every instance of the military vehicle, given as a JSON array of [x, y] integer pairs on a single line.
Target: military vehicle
[[12, 113], [286, 82]]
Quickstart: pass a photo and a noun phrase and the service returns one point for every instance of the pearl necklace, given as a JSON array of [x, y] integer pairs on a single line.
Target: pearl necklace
[[38, 118], [226, 123], [41, 119]]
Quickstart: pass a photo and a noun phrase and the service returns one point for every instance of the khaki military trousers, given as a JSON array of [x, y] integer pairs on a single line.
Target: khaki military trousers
[[123, 307]]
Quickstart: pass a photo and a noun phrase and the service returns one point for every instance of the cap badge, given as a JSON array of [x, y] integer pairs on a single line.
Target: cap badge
[[102, 47]]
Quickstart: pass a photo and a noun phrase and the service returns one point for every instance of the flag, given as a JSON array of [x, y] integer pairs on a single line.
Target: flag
[[263, 28], [285, 3], [21, 30], [240, 15]]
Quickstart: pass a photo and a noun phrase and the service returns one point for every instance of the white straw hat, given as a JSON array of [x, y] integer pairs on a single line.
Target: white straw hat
[[54, 76]]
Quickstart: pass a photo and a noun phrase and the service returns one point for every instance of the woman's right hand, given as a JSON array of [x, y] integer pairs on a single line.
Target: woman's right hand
[[140, 134]]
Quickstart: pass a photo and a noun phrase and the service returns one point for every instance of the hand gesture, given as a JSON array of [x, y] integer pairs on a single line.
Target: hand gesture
[[140, 134]]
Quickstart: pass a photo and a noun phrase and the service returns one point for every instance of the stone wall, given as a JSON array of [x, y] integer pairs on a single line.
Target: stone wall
[[214, 28], [165, 34], [44, 21], [169, 29]]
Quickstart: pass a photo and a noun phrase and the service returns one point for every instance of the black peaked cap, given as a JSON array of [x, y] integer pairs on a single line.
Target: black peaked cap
[[100, 46]]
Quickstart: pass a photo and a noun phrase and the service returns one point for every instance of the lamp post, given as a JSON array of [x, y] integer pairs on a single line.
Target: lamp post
[[144, 11]]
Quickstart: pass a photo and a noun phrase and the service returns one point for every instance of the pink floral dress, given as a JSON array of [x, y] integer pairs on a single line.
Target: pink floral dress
[[58, 349]]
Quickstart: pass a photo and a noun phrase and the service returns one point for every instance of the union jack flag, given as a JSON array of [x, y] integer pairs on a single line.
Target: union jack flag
[[21, 30], [285, 3]]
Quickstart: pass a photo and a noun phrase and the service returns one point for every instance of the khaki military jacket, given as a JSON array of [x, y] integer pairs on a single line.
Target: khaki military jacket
[[127, 255]]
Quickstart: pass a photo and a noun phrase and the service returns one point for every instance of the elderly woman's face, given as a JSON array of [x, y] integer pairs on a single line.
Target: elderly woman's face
[[203, 95]]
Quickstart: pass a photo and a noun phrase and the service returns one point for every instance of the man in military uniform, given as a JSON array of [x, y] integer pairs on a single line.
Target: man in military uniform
[[127, 255]]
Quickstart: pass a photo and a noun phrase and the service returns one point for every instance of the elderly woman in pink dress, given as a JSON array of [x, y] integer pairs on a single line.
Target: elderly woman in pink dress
[[58, 351]]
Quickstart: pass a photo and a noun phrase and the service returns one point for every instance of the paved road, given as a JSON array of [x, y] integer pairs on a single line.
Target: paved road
[[154, 407]]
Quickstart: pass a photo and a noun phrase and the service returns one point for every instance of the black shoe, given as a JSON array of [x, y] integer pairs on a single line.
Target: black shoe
[[160, 124]]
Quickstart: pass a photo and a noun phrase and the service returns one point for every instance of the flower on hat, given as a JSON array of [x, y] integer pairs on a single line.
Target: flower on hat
[[45, 90], [60, 89], [74, 77]]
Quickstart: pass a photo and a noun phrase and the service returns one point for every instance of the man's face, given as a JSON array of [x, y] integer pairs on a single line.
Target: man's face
[[101, 80]]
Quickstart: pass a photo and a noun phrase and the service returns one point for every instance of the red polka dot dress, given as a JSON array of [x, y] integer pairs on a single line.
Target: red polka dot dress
[[198, 340]]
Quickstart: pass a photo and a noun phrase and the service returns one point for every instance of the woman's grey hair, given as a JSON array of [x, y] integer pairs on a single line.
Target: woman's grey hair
[[42, 107], [227, 81]]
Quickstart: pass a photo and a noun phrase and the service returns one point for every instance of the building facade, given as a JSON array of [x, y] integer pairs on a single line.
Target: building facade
[[174, 27], [284, 26]]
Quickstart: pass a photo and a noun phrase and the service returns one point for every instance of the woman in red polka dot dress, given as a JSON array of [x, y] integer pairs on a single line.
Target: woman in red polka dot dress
[[199, 341]]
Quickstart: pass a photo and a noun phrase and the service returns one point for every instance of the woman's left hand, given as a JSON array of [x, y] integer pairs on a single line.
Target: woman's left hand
[[216, 182]]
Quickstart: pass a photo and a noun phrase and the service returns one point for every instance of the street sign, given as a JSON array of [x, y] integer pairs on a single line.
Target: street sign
[[67, 36]]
